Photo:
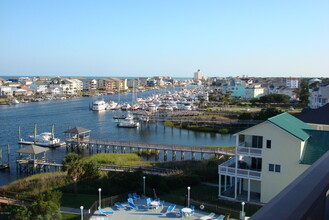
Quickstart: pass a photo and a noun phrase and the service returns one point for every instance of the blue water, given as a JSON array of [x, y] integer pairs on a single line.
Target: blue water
[[75, 112]]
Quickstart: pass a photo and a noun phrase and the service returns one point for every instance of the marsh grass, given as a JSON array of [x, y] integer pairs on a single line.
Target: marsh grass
[[37, 183], [118, 159]]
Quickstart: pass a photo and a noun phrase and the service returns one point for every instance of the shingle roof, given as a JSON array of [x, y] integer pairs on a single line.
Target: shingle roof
[[316, 146], [77, 130], [32, 149], [292, 125], [315, 116]]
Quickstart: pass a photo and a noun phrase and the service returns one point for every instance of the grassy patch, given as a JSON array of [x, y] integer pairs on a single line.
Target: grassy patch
[[76, 200], [70, 216], [118, 159]]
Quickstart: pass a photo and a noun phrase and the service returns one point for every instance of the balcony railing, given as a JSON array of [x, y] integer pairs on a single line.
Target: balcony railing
[[226, 168], [249, 151]]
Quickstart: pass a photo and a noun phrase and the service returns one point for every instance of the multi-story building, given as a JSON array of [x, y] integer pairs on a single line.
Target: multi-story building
[[112, 84], [319, 96], [197, 75], [237, 87], [89, 84], [290, 82], [269, 156]]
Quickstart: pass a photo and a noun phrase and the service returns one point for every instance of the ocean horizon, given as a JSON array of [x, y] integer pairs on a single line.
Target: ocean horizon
[[91, 77]]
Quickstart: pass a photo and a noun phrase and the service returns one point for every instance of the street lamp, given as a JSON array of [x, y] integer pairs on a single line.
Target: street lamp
[[99, 197], [242, 215], [81, 208], [144, 177], [188, 196]]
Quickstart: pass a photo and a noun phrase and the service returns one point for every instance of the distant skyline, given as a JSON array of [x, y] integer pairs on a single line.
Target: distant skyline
[[271, 38]]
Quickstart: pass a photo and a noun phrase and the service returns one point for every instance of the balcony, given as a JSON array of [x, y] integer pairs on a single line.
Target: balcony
[[228, 168], [248, 151]]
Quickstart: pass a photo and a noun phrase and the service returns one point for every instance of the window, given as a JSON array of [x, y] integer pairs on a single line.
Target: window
[[268, 144], [256, 164], [277, 168], [257, 141], [274, 168]]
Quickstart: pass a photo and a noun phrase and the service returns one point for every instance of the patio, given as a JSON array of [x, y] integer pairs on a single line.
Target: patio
[[144, 213]]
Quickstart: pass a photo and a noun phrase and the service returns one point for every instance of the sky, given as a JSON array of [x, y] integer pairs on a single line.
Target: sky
[[164, 37]]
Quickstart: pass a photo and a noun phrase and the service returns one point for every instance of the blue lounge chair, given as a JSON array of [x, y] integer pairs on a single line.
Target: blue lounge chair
[[119, 205], [181, 213], [132, 205], [148, 202], [136, 197], [104, 213], [171, 208], [131, 200]]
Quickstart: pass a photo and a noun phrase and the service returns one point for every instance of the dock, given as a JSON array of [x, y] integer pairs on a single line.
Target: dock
[[41, 144], [4, 164]]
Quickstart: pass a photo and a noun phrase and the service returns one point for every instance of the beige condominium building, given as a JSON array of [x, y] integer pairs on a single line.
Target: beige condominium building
[[269, 156]]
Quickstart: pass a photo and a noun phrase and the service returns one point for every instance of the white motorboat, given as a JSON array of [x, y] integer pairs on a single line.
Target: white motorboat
[[112, 105], [128, 122], [99, 105], [45, 139]]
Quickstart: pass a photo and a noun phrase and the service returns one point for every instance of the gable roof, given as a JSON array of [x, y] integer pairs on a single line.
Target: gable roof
[[32, 149], [315, 116], [316, 146], [77, 130], [292, 125]]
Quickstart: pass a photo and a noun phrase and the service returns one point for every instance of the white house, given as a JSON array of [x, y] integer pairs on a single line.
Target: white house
[[39, 87], [254, 91], [6, 91], [319, 96], [269, 156]]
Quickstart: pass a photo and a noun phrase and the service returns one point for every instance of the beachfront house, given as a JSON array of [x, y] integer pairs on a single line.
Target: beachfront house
[[269, 156]]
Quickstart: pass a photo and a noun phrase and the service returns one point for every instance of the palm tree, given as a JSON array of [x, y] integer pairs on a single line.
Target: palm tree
[[74, 167]]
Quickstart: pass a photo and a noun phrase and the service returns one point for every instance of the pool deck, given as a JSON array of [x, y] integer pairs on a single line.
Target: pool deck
[[143, 213]]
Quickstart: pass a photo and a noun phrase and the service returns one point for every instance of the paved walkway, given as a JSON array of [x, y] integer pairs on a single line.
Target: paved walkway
[[210, 184]]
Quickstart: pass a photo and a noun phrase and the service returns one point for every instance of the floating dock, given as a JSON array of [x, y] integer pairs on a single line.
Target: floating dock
[[41, 144]]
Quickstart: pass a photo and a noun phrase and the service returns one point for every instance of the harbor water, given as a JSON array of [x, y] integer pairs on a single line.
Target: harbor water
[[75, 112]]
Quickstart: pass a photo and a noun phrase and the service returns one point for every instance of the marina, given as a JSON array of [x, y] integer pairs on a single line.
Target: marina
[[75, 112]]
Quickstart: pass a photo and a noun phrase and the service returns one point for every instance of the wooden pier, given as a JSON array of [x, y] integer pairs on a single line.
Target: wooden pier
[[106, 146]]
